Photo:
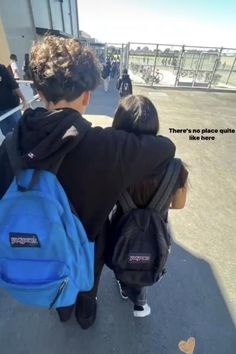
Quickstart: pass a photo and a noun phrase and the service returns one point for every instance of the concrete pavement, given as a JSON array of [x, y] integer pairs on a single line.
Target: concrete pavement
[[197, 297]]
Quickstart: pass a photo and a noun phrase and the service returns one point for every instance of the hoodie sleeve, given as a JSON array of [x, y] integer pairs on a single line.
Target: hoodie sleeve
[[142, 157], [6, 174]]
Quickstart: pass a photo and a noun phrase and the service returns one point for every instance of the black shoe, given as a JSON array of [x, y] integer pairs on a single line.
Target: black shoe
[[64, 313], [85, 311]]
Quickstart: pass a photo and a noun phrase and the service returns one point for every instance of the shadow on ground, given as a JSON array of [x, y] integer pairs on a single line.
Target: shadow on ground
[[187, 303]]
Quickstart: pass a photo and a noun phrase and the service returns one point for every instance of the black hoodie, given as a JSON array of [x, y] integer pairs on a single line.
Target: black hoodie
[[98, 164]]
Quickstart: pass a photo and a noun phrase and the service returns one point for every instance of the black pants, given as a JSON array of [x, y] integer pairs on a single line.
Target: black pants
[[137, 294], [100, 249]]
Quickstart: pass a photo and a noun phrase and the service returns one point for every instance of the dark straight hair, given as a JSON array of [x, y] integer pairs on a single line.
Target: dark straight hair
[[13, 57], [136, 114]]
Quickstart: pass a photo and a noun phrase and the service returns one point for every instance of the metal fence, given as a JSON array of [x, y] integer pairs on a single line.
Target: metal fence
[[175, 65]]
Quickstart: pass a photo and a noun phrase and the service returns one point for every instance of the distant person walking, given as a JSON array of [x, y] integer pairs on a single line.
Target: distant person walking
[[13, 67], [124, 84], [26, 68], [10, 96], [118, 67], [114, 69], [28, 73], [106, 75]]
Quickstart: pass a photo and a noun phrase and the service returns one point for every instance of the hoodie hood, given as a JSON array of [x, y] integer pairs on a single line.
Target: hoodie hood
[[42, 138]]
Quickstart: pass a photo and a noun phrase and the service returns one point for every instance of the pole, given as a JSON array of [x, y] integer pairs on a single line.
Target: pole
[[231, 70], [50, 14], [62, 16], [179, 68], [71, 21], [154, 67], [32, 18], [215, 68]]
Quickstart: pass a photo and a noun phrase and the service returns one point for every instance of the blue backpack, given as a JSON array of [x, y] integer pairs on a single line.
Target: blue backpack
[[46, 258]]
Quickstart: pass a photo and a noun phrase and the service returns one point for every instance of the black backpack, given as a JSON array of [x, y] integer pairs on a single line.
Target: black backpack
[[140, 242], [124, 88], [105, 72]]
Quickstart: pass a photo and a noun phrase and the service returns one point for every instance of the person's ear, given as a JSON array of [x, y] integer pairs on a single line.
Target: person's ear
[[42, 98], [86, 98]]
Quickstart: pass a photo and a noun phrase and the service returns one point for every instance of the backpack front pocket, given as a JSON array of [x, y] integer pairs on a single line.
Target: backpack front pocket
[[36, 283]]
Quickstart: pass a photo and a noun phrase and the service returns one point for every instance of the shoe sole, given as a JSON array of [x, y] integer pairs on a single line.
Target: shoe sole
[[143, 313]]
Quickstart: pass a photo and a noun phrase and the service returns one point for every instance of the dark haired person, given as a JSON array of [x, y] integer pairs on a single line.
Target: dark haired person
[[28, 72], [106, 71], [26, 68], [138, 115], [10, 96], [14, 67], [124, 84], [98, 163]]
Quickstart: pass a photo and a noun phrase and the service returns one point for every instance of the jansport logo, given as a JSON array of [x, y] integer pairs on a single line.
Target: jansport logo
[[139, 258], [23, 240]]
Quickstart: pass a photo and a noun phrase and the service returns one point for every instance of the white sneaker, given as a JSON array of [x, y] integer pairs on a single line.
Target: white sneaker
[[142, 311]]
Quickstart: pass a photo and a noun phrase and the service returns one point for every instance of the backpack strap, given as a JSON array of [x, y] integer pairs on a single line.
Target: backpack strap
[[34, 174], [164, 191], [126, 202], [17, 169], [11, 153]]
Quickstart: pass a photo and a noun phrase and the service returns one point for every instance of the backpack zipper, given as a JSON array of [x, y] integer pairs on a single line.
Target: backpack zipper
[[61, 288]]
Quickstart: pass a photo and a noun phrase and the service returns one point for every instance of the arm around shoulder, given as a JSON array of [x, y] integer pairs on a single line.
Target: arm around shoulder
[[141, 156], [166, 146]]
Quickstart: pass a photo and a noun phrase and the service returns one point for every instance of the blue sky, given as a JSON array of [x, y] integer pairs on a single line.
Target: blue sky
[[193, 22]]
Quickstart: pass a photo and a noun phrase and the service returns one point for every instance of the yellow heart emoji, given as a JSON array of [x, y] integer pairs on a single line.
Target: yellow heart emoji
[[188, 346]]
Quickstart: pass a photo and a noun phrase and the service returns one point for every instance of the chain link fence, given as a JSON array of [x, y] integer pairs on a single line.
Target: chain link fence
[[186, 66], [175, 65]]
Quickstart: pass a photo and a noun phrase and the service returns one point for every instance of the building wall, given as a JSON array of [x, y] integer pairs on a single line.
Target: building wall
[[67, 17], [4, 52], [75, 23], [63, 15], [19, 22], [41, 13], [56, 15], [18, 27]]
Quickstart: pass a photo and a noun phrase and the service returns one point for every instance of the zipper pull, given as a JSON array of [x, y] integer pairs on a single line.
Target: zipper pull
[[61, 288]]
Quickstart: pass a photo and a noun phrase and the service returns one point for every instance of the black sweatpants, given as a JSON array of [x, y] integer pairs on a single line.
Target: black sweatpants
[[100, 249], [137, 294]]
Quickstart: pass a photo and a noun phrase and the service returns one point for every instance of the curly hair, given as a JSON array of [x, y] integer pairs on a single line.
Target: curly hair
[[63, 68]]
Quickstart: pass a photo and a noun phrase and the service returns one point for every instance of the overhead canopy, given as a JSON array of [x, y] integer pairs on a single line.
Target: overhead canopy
[[42, 31]]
